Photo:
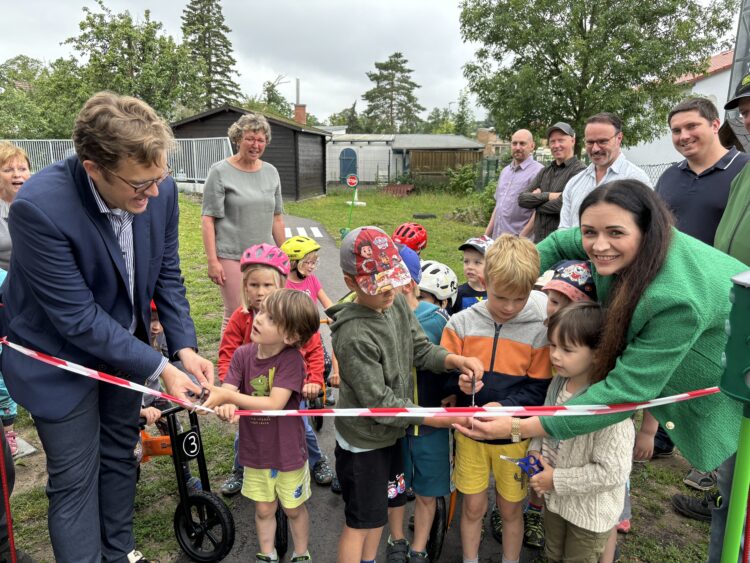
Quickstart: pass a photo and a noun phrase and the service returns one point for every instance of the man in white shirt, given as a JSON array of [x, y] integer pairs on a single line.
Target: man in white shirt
[[603, 139]]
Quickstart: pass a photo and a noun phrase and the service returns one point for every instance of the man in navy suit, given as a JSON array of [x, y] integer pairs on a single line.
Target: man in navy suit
[[95, 238]]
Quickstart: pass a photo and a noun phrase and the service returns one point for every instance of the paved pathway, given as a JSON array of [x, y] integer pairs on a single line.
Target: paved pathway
[[327, 509]]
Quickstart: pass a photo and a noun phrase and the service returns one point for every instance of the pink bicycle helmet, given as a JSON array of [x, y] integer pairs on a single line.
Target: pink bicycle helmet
[[412, 235], [266, 255]]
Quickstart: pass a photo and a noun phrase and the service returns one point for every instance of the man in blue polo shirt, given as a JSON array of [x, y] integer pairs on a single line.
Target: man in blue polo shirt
[[697, 189]]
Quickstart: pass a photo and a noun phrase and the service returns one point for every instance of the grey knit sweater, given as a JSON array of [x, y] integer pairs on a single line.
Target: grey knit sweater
[[591, 473]]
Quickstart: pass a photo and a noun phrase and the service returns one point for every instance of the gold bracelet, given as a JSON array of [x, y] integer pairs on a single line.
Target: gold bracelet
[[515, 430]]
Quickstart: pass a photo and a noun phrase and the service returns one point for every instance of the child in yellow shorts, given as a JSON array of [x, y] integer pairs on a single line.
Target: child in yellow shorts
[[506, 331], [269, 373]]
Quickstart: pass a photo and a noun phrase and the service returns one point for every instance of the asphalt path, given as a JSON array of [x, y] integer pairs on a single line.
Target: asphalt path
[[327, 509]]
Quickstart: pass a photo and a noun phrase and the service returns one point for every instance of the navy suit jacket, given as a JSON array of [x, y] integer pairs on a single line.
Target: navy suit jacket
[[67, 292]]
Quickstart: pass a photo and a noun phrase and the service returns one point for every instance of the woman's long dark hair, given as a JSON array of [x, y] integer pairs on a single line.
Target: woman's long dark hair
[[655, 223]]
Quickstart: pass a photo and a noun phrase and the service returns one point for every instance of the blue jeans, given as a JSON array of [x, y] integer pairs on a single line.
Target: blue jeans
[[314, 454], [719, 515]]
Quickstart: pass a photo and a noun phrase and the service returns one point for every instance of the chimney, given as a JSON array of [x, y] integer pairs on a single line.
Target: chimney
[[300, 114], [300, 111]]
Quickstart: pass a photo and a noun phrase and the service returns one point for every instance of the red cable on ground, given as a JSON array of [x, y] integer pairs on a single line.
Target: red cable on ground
[[6, 500]]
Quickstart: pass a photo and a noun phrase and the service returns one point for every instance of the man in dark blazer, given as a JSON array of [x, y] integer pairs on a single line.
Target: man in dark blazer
[[95, 239]]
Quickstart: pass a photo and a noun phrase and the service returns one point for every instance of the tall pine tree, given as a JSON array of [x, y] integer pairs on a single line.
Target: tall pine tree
[[205, 35], [391, 103]]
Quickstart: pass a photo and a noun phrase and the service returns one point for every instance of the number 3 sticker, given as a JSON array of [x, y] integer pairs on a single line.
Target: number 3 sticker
[[191, 444]]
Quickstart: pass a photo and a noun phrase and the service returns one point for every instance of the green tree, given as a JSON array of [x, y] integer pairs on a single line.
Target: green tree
[[270, 99], [546, 60], [350, 118], [391, 103], [464, 118], [439, 120], [133, 57], [59, 93], [205, 35], [274, 100], [19, 115]]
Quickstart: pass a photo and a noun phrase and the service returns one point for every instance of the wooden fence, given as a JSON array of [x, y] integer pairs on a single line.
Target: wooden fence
[[436, 163]]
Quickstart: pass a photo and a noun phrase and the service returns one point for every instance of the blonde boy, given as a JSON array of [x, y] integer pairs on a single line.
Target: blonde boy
[[507, 333]]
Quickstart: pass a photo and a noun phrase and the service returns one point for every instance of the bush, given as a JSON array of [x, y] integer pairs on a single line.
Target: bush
[[462, 180], [479, 207]]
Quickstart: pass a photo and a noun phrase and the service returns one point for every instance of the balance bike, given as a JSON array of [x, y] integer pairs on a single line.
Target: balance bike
[[203, 525]]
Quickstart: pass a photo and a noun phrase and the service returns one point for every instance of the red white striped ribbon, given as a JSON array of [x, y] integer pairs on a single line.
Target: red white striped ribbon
[[488, 412], [98, 375], [484, 412]]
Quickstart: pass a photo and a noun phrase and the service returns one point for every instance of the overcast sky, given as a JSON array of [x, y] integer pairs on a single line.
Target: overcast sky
[[328, 44]]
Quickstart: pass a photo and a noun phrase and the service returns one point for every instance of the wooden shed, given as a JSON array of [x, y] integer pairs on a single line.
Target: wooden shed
[[297, 151]]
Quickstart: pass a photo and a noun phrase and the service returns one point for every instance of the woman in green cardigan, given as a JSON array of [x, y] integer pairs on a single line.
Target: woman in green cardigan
[[667, 299]]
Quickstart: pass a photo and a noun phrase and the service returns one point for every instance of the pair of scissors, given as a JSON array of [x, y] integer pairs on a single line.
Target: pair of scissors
[[530, 465]]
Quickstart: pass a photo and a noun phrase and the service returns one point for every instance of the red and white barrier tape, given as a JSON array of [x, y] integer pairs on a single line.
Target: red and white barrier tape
[[99, 375], [485, 412]]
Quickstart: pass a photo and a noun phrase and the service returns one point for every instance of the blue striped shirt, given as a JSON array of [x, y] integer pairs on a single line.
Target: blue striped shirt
[[121, 222]]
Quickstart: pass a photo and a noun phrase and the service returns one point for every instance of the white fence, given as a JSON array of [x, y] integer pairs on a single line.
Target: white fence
[[190, 160]]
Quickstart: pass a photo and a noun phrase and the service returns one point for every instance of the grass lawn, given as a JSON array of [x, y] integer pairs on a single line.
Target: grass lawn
[[658, 534], [388, 212]]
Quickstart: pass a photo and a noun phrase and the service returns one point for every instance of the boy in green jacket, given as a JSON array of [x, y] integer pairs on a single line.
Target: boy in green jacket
[[377, 340]]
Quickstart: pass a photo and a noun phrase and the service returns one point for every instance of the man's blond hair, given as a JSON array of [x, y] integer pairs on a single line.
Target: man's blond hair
[[110, 128], [511, 264]]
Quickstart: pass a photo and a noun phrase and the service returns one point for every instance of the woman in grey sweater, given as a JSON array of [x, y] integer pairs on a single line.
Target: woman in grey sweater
[[242, 207]]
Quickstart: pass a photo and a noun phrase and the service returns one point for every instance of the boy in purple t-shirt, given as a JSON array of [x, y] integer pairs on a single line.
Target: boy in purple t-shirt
[[269, 373]]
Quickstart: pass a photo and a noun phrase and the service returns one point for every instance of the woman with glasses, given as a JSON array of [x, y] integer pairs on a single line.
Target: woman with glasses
[[242, 207]]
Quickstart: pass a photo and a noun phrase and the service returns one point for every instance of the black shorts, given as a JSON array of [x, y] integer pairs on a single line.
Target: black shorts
[[371, 482]]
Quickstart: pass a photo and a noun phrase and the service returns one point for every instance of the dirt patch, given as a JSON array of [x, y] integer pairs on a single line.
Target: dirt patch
[[31, 470]]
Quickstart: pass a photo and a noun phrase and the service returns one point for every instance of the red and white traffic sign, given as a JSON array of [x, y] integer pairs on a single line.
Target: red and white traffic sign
[[352, 180]]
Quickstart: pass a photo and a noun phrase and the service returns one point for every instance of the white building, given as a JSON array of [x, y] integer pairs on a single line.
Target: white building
[[714, 85]]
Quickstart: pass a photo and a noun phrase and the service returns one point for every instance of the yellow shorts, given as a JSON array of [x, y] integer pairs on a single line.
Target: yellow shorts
[[292, 488], [475, 460]]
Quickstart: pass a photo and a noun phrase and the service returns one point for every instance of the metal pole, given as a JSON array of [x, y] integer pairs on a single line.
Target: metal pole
[[738, 496], [735, 382]]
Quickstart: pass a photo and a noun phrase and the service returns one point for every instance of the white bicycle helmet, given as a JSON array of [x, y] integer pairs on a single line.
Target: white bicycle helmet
[[439, 280]]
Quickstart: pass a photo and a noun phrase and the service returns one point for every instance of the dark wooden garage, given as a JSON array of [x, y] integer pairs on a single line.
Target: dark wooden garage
[[297, 151]]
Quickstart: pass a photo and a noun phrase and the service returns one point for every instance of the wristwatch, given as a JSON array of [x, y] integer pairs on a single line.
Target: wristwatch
[[515, 430]]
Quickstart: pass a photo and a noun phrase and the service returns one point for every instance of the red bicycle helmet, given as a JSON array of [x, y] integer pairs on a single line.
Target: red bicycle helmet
[[266, 255], [412, 235]]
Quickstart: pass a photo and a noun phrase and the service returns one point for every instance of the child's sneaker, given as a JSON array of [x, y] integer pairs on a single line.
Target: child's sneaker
[[303, 557], [533, 529], [233, 484], [623, 526], [263, 558], [496, 524], [700, 480], [336, 486], [418, 557], [322, 472], [397, 551], [136, 556], [12, 438]]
